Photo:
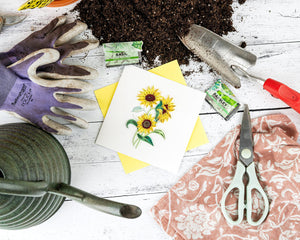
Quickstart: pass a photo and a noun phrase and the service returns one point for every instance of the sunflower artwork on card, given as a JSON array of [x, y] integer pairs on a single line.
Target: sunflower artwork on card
[[150, 118], [154, 110]]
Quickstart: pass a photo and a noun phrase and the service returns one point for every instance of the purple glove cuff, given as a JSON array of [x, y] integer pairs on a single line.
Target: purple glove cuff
[[33, 102], [29, 100]]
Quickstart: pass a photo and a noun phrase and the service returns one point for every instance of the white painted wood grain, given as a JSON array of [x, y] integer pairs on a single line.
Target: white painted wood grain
[[76, 222], [271, 31]]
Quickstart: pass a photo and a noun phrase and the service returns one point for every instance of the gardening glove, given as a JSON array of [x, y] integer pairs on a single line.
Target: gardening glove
[[35, 99], [56, 34]]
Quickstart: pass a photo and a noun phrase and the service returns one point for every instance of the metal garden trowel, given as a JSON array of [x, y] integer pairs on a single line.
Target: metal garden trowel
[[232, 62], [218, 53]]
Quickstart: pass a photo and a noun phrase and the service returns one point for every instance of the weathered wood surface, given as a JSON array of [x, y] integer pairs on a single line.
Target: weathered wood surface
[[271, 31]]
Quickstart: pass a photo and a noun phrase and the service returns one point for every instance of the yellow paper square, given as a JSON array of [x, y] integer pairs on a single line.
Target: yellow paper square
[[170, 71]]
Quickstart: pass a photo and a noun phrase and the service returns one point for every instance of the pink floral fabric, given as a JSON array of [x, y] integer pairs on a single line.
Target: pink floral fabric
[[191, 209]]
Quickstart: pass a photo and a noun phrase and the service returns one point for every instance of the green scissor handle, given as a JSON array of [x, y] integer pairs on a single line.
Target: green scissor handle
[[237, 183], [253, 183]]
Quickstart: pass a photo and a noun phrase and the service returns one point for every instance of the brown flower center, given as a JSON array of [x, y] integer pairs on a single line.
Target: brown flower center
[[146, 124], [165, 109], [150, 97]]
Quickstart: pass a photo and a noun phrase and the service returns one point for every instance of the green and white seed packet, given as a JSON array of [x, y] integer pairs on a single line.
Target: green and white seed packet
[[122, 53], [222, 99]]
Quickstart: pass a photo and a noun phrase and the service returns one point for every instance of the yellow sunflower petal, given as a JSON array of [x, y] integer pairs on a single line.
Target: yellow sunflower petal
[[149, 97], [168, 104], [163, 116], [146, 124]]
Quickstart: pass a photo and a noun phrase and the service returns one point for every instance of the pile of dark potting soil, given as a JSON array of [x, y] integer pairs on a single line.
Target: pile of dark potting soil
[[158, 23]]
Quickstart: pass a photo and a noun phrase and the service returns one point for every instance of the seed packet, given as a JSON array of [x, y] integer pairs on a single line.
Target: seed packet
[[122, 53], [221, 98]]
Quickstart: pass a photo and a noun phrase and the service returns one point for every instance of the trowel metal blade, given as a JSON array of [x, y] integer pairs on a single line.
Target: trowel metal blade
[[218, 53]]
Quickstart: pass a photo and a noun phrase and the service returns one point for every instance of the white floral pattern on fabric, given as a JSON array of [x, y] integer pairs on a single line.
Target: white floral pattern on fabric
[[195, 222], [191, 209]]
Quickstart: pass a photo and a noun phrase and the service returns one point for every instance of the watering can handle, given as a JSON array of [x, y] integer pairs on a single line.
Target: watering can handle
[[39, 189]]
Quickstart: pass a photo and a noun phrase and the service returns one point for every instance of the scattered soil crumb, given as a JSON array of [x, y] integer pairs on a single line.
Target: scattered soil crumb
[[243, 44], [188, 73]]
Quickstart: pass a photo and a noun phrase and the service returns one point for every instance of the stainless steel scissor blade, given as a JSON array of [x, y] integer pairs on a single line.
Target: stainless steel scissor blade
[[245, 165], [246, 140]]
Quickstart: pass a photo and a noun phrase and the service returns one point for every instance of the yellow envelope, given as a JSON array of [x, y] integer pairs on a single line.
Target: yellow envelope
[[170, 71]]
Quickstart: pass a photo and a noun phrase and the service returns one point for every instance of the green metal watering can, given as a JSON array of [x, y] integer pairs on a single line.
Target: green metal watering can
[[35, 177]]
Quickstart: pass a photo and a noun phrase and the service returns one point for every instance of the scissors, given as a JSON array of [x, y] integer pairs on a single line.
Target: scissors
[[245, 164], [10, 20]]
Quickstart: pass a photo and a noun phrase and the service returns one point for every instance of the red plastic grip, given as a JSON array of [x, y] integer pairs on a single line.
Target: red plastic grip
[[283, 92]]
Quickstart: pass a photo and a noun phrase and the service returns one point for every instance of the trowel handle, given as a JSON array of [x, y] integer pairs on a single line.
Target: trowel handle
[[283, 92]]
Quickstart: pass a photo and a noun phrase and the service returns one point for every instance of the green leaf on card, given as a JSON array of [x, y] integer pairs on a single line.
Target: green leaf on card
[[146, 139], [138, 109], [159, 105], [131, 121], [160, 132]]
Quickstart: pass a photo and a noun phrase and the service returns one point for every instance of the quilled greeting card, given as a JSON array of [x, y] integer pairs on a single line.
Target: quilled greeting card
[[151, 118]]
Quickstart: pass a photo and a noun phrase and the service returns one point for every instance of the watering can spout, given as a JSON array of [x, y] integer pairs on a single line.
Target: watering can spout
[[130, 211], [92, 201], [40, 188]]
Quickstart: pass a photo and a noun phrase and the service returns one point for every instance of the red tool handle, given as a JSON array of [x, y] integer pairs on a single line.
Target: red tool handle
[[283, 92]]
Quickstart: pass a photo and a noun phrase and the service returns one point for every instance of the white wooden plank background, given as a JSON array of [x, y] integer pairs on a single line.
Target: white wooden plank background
[[271, 31]]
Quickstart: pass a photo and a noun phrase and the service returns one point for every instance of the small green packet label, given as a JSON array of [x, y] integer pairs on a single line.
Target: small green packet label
[[122, 53], [222, 99], [30, 4]]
